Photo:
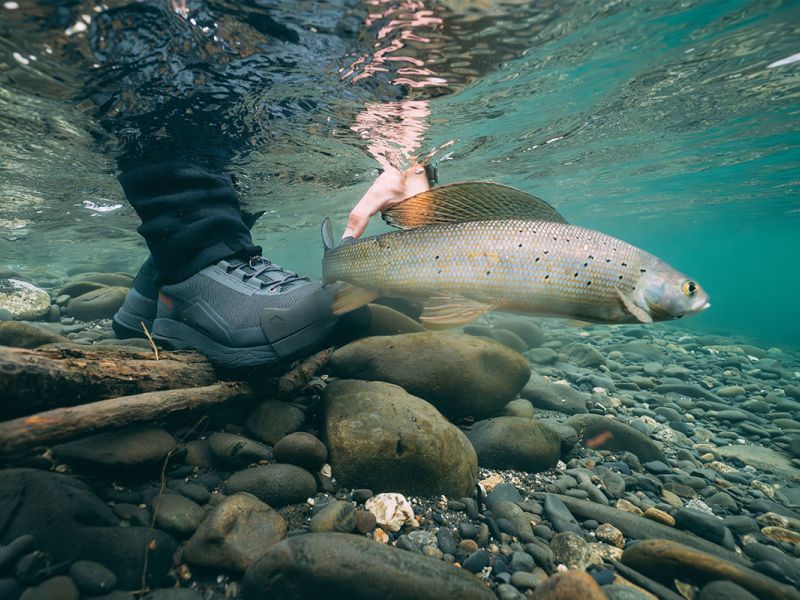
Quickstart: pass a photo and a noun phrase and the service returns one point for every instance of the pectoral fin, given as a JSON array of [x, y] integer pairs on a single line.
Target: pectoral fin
[[632, 309], [350, 297], [443, 312]]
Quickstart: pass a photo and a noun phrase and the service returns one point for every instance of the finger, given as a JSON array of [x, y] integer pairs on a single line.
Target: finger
[[356, 224]]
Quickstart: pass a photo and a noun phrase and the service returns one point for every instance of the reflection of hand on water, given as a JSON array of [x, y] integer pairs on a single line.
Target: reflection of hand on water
[[392, 187]]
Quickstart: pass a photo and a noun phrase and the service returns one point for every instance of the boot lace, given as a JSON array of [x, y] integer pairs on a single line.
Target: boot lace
[[271, 276]]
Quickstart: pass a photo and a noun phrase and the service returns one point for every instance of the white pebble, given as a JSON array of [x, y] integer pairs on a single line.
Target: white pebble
[[10, 5]]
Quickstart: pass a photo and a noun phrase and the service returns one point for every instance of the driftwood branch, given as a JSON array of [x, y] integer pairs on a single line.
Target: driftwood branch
[[69, 375], [303, 372], [63, 424]]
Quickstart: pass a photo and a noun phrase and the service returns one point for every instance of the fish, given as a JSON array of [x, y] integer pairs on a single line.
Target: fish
[[465, 249]]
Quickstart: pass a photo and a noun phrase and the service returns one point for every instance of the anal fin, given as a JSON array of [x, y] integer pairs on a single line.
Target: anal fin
[[632, 309], [350, 297], [443, 312]]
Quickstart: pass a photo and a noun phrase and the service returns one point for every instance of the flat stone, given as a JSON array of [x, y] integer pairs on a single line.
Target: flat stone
[[339, 516], [101, 303], [763, 459], [555, 396], [140, 447], [272, 420], [277, 484], [301, 566], [542, 356], [666, 561], [236, 451], [92, 577], [559, 515], [301, 449], [461, 375], [388, 321], [60, 587], [239, 530], [177, 515], [518, 408], [608, 433], [724, 590], [515, 443], [381, 437], [27, 335]]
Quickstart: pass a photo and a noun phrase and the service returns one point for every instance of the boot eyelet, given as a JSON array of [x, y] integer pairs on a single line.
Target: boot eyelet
[[272, 289]]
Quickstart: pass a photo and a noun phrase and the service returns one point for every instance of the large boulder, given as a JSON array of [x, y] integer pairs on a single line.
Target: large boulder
[[383, 438], [328, 566], [70, 523], [239, 530], [607, 433], [461, 375], [23, 300], [515, 443]]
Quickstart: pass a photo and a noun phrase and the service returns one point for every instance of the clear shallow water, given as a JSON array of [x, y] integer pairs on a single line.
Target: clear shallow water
[[662, 123]]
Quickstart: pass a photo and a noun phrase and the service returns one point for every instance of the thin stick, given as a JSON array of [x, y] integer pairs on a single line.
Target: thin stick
[[150, 339]]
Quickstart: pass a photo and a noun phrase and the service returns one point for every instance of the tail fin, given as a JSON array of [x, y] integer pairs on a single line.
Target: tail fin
[[326, 230]]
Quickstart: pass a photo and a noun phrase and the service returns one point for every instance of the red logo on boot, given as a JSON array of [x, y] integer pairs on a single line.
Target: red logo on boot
[[165, 300]]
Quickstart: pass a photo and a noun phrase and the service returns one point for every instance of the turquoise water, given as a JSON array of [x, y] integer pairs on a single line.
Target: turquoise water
[[667, 124]]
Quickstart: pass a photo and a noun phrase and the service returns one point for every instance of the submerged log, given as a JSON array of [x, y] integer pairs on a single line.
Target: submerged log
[[64, 424], [67, 375]]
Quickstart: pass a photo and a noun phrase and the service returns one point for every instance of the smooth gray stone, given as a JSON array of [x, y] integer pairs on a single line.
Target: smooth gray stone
[[622, 436], [310, 566], [724, 590], [559, 515]]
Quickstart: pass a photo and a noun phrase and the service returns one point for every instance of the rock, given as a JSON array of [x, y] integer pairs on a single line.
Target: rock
[[559, 515], [508, 338], [607, 433], [703, 524], [56, 588], [518, 408], [92, 578], [101, 303], [610, 535], [572, 550], [511, 519], [277, 484], [640, 528], [392, 511], [177, 515], [731, 391], [763, 459], [477, 561], [365, 521], [584, 355], [639, 351], [23, 300], [529, 331], [569, 586], [301, 449], [515, 443], [381, 437], [118, 279], [659, 516], [388, 321], [139, 447], [78, 288], [461, 375], [555, 396], [236, 451], [724, 590], [339, 516], [26, 335], [272, 420], [173, 594], [237, 532], [310, 566], [11, 552], [666, 561], [542, 356]]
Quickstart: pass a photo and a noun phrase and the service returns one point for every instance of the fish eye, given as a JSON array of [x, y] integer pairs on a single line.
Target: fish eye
[[690, 288]]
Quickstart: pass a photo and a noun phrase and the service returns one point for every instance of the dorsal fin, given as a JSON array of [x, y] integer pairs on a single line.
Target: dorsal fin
[[469, 201]]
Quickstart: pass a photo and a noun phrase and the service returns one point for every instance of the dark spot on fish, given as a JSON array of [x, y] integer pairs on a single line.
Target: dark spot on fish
[[633, 288], [566, 241], [555, 239], [576, 274], [624, 264], [585, 264], [642, 270], [537, 259], [620, 277], [437, 257], [590, 256], [608, 260], [519, 246], [546, 251], [488, 272], [547, 276], [440, 270], [588, 283]]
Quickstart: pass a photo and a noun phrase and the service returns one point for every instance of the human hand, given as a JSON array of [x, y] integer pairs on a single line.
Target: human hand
[[390, 188]]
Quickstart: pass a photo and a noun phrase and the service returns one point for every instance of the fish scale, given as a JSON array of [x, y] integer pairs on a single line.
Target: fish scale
[[540, 267]]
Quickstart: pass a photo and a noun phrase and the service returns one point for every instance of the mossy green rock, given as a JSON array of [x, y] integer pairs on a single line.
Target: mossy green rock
[[382, 438], [23, 300], [461, 375]]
